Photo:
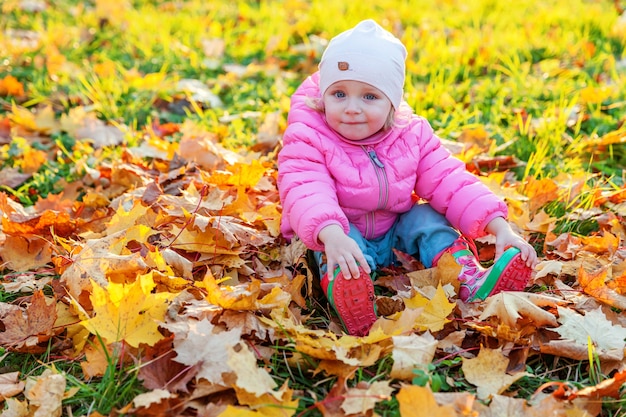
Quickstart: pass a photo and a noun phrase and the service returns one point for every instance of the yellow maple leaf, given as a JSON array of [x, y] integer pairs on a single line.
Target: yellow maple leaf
[[23, 117], [271, 218], [123, 220], [488, 372], [128, 312], [240, 297], [240, 175], [246, 175], [416, 401], [243, 206], [435, 311]]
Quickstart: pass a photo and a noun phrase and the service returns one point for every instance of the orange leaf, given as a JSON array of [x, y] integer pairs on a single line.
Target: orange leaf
[[607, 388], [24, 254], [32, 160], [40, 225], [416, 401], [10, 86], [540, 192], [592, 281], [601, 244]]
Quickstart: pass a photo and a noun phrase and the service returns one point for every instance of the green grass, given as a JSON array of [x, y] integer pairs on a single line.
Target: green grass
[[116, 388]]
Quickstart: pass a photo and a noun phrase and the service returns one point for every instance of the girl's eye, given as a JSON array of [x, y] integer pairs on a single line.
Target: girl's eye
[[339, 94], [370, 96]]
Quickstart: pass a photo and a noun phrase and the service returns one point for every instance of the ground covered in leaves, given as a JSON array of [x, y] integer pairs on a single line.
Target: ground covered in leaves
[[140, 242]]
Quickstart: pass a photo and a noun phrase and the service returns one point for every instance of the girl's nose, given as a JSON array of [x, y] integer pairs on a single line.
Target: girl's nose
[[353, 106]]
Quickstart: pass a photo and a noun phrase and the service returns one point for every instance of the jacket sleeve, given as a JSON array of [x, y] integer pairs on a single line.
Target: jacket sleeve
[[307, 190], [443, 180]]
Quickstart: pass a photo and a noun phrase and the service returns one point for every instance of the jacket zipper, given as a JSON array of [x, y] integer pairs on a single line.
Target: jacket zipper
[[383, 195]]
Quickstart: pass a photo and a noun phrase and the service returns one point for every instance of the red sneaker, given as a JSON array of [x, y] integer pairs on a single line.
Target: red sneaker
[[353, 300]]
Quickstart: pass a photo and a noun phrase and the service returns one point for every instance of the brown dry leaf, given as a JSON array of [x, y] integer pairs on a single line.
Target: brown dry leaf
[[202, 147], [26, 328], [46, 121], [159, 369], [565, 245], [411, 352], [416, 401], [235, 231], [99, 134], [12, 177], [25, 254], [463, 402], [10, 385], [204, 201], [268, 134], [199, 342], [488, 372], [510, 306], [607, 338], [45, 393], [361, 400], [501, 406], [96, 360]]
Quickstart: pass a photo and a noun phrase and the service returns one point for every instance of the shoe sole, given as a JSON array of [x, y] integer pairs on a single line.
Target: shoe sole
[[354, 301], [509, 273]]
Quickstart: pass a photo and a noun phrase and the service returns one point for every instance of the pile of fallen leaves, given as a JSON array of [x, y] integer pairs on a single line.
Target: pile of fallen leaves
[[171, 259]]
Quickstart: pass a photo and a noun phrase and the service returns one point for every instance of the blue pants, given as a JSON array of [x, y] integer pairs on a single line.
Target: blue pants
[[421, 232]]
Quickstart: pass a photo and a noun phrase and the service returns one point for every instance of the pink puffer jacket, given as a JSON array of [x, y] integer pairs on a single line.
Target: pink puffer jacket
[[325, 179]]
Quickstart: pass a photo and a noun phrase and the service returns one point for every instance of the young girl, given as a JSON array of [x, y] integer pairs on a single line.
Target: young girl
[[354, 161]]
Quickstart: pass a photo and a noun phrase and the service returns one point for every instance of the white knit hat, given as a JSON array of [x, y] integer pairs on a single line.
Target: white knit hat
[[366, 53]]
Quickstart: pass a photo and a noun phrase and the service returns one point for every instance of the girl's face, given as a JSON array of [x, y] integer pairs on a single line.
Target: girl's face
[[355, 110]]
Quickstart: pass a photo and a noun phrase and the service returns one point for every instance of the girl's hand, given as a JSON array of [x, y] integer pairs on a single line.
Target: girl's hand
[[341, 250], [506, 237]]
